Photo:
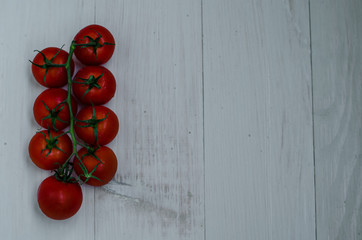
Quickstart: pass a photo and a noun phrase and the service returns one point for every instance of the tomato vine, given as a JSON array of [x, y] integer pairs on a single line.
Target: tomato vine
[[60, 196]]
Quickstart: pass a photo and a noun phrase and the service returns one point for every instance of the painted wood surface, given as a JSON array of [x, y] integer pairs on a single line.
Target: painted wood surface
[[337, 76], [159, 104], [258, 120], [216, 118]]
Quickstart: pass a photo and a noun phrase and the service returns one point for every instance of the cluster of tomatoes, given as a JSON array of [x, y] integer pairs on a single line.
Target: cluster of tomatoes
[[81, 148]]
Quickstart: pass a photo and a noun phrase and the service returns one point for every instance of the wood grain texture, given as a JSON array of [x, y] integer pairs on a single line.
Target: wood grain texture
[[215, 106], [29, 25], [158, 67], [258, 120], [337, 83]]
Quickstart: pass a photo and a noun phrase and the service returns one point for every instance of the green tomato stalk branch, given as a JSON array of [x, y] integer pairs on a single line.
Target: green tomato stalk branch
[[65, 171]]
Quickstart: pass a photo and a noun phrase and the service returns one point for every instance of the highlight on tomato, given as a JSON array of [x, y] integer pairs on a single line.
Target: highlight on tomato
[[48, 67]]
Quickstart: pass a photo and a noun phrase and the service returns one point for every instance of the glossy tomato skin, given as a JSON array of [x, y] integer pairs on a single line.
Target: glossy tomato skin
[[107, 129], [95, 95], [104, 52], [41, 142], [56, 76], [59, 200], [52, 97], [105, 171]]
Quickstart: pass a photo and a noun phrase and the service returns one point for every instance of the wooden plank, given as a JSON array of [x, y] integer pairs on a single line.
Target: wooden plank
[[337, 73], [29, 25], [158, 68], [258, 120]]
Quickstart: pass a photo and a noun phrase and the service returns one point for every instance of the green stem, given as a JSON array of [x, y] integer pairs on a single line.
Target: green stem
[[67, 167], [71, 127]]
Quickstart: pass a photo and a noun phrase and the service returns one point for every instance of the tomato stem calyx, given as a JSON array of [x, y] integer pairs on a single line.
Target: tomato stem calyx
[[48, 63], [92, 82], [93, 123], [94, 43], [53, 114], [64, 174]]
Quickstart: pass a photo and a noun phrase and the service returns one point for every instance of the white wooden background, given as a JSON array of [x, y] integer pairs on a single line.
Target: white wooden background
[[239, 119]]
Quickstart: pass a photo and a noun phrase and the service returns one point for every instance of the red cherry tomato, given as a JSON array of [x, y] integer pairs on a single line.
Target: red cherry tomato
[[94, 84], [59, 200], [105, 170], [107, 129], [102, 43], [49, 149], [48, 110], [49, 75]]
